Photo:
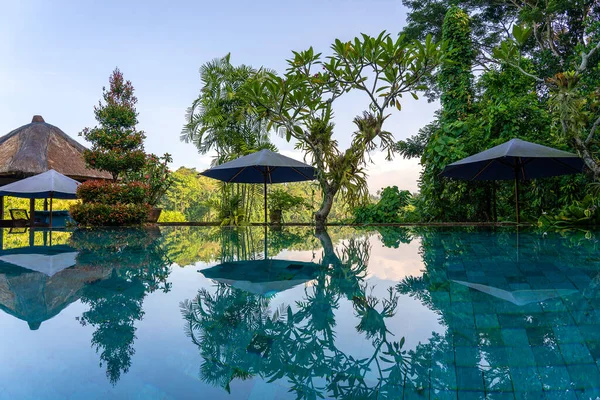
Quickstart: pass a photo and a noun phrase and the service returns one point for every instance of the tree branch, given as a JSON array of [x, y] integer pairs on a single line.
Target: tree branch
[[592, 131], [585, 58]]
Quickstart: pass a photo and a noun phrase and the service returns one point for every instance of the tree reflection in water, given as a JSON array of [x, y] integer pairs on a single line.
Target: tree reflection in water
[[240, 336], [139, 266]]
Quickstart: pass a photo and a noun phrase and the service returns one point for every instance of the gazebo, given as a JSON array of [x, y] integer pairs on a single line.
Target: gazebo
[[38, 147]]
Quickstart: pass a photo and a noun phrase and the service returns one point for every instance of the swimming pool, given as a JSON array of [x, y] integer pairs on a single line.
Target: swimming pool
[[190, 312]]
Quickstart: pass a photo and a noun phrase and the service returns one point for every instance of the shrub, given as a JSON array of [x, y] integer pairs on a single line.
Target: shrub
[[171, 216], [387, 210], [99, 214], [113, 192], [585, 212], [157, 175]]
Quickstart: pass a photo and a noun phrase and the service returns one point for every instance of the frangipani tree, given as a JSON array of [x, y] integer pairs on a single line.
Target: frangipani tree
[[299, 104]]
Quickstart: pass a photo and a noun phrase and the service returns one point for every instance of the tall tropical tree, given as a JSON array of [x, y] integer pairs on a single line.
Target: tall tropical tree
[[299, 104], [117, 146], [219, 119]]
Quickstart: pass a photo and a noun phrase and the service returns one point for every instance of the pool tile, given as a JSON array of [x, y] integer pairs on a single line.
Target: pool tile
[[483, 321], [469, 379], [547, 355], [575, 353], [584, 376], [525, 379], [591, 333], [515, 337], [555, 377], [554, 305], [588, 394], [471, 395], [540, 336], [567, 334], [443, 395], [560, 395], [499, 396], [521, 357], [532, 395], [497, 380], [443, 379], [466, 356]]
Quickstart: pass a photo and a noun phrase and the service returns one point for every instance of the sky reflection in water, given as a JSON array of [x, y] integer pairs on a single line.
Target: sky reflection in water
[[352, 314]]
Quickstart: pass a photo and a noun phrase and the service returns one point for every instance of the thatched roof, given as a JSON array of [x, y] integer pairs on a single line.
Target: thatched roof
[[35, 297], [38, 147]]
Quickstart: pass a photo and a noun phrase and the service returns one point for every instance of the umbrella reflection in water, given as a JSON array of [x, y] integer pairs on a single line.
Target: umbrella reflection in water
[[263, 277]]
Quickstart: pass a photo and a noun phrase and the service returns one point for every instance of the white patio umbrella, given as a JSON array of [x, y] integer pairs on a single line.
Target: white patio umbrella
[[47, 264], [49, 184]]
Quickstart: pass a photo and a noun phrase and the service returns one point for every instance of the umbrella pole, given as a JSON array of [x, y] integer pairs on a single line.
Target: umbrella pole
[[517, 197], [265, 195], [265, 199]]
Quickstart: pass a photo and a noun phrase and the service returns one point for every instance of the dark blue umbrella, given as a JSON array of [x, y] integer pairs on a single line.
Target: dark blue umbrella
[[263, 277], [515, 159], [264, 167]]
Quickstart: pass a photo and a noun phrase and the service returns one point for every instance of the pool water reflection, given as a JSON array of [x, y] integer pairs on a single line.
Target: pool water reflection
[[395, 314]]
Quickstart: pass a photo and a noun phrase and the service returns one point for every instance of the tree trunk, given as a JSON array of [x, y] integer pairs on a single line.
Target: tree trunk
[[329, 256], [586, 155], [322, 214]]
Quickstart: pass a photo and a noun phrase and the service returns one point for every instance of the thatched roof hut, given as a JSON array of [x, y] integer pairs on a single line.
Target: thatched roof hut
[[38, 147], [35, 297]]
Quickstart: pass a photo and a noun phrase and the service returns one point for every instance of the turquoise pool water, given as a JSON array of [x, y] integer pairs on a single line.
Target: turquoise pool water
[[178, 313]]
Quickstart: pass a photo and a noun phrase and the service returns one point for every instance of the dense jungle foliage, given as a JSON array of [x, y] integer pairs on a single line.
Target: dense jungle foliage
[[513, 69], [502, 70]]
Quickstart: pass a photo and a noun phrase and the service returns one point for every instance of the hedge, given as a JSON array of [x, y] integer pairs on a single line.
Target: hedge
[[99, 214], [113, 192]]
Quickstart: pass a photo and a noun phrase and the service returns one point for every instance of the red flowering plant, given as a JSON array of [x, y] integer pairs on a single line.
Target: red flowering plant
[[100, 214], [156, 175]]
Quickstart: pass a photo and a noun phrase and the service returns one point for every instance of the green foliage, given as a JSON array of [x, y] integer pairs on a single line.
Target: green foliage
[[261, 339], [171, 216], [386, 210], [280, 199], [299, 104], [580, 213], [112, 192], [101, 214], [220, 118], [201, 199], [117, 147], [232, 211], [157, 176], [135, 265], [455, 77]]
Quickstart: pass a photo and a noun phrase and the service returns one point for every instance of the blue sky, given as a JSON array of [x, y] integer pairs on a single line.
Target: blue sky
[[57, 55]]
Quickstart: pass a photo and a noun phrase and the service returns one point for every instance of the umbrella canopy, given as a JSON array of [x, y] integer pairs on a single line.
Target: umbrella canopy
[[263, 277], [518, 160], [44, 263], [260, 167], [515, 158], [520, 297], [47, 184], [264, 166]]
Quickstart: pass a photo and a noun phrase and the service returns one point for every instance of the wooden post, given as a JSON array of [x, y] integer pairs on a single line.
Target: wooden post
[[31, 211], [45, 204], [1, 207], [50, 212]]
